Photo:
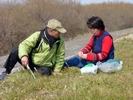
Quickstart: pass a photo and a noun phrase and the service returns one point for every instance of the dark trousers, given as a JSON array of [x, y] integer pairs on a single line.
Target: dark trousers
[[77, 62], [13, 59]]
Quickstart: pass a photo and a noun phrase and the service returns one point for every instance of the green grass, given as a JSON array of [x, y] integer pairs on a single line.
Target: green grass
[[72, 85]]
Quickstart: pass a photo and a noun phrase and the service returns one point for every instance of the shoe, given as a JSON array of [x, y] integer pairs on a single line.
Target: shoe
[[3, 75], [66, 65]]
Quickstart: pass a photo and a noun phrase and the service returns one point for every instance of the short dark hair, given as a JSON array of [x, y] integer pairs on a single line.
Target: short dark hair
[[95, 22]]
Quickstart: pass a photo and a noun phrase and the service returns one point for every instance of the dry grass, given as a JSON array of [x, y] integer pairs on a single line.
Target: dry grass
[[18, 21]]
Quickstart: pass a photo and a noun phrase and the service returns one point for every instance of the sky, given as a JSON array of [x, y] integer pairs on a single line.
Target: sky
[[89, 1], [100, 1]]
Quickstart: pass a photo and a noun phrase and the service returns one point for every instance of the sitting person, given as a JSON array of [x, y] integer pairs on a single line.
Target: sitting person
[[99, 48]]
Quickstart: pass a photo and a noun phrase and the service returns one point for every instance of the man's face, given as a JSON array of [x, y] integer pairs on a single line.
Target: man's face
[[54, 33]]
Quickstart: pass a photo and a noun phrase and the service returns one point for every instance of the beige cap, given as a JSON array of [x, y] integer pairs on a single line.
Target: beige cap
[[55, 24]]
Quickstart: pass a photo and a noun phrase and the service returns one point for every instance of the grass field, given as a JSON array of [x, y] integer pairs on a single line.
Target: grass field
[[72, 85]]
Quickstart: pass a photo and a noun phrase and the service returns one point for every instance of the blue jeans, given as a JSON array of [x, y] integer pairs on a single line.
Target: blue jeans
[[77, 62]]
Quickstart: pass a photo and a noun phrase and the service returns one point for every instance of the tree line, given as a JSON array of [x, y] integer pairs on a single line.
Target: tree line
[[19, 20]]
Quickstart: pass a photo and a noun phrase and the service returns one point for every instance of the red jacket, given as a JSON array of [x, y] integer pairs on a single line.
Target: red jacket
[[106, 46]]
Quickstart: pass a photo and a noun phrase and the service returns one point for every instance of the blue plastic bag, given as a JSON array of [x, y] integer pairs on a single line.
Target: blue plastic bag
[[112, 65]]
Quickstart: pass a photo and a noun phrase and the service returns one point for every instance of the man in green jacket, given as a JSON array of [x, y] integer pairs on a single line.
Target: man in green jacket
[[47, 57]]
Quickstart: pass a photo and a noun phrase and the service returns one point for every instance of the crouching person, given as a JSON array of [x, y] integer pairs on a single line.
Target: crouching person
[[47, 56]]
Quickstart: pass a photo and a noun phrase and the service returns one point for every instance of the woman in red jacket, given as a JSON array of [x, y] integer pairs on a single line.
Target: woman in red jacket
[[99, 48]]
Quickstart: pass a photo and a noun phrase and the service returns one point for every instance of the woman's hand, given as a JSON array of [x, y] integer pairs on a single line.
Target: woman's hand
[[82, 55]]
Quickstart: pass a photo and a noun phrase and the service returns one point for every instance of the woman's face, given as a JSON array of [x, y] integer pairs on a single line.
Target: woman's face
[[94, 31]]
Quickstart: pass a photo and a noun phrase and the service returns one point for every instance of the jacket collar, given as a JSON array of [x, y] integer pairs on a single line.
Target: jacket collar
[[50, 39]]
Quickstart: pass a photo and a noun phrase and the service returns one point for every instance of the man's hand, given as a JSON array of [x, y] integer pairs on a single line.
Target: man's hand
[[57, 73], [24, 60]]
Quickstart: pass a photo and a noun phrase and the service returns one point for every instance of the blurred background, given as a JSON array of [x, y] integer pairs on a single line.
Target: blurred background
[[21, 18]]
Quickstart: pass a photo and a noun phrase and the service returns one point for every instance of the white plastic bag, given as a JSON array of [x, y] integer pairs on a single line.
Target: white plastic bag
[[89, 69], [112, 65]]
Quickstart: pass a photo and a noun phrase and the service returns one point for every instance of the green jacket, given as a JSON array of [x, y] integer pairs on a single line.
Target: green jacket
[[43, 55]]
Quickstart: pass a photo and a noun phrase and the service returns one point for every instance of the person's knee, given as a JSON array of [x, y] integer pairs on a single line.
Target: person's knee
[[14, 50], [45, 71], [74, 61]]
